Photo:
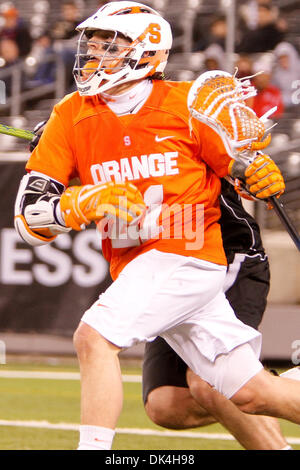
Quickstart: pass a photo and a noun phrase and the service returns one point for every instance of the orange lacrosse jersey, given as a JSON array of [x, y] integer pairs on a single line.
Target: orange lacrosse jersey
[[175, 162]]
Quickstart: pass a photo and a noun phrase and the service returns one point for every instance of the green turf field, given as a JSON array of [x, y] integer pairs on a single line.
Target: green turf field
[[43, 414]]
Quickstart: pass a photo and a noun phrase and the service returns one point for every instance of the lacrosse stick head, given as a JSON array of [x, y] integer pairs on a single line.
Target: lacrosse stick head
[[217, 99]]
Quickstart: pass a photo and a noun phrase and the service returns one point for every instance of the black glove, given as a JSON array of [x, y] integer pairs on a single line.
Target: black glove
[[38, 130]]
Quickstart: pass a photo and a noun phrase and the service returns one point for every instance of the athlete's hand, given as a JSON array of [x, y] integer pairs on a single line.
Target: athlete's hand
[[263, 178], [80, 205], [38, 130]]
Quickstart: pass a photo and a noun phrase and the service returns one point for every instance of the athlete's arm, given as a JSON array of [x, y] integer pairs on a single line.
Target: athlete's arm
[[212, 149], [51, 166]]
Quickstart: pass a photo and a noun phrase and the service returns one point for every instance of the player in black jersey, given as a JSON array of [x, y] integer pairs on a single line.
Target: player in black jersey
[[168, 399], [248, 275]]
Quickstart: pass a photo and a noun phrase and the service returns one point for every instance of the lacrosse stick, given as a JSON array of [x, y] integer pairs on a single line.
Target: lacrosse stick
[[15, 132], [217, 99]]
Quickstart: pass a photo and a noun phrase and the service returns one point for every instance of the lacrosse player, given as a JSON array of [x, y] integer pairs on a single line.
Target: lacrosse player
[[150, 180]]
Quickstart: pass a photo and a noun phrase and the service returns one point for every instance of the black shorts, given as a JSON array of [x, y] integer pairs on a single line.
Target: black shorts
[[248, 298]]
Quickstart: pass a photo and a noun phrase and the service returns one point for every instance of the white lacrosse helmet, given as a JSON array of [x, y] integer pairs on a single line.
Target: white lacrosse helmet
[[149, 36]]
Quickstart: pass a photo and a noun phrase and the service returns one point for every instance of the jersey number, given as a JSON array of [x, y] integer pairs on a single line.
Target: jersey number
[[153, 198]]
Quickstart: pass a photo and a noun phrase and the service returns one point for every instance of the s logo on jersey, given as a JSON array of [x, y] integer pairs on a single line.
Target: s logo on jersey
[[134, 168]]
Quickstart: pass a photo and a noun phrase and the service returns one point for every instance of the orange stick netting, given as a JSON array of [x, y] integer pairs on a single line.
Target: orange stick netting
[[222, 100]]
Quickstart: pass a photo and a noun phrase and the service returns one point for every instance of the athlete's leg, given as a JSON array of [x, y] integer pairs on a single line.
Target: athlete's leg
[[166, 396], [175, 408], [169, 403], [252, 432], [101, 381], [239, 376], [270, 395]]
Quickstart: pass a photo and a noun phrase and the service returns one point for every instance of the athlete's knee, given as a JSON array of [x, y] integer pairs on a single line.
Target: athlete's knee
[[159, 408], [88, 342], [249, 401], [200, 390], [175, 408], [252, 398]]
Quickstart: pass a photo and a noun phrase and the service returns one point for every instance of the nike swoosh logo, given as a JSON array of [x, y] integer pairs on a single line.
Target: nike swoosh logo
[[160, 139]]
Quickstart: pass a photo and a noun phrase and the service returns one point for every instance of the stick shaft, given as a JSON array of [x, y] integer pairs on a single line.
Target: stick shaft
[[285, 220], [15, 132], [277, 206]]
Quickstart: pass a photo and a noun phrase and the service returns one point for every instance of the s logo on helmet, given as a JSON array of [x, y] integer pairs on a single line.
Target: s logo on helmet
[[154, 30]]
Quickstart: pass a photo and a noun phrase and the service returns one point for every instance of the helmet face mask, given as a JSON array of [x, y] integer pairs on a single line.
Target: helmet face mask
[[100, 52], [122, 42]]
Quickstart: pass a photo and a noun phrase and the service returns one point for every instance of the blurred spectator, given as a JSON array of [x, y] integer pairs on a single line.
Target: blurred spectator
[[286, 70], [44, 71], [214, 58], [9, 53], [248, 12], [70, 17], [268, 95], [65, 37], [216, 35], [14, 28], [265, 36]]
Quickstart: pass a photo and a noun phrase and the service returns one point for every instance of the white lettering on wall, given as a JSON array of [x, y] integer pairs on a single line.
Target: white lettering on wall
[[78, 259]]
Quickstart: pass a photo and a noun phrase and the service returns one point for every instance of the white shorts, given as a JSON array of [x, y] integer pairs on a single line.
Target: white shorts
[[179, 298]]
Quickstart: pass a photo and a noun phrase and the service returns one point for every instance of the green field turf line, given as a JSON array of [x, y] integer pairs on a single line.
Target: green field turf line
[[145, 432], [18, 374]]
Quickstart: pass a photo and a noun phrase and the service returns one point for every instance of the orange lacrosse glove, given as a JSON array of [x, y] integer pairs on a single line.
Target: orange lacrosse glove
[[263, 178], [80, 205]]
